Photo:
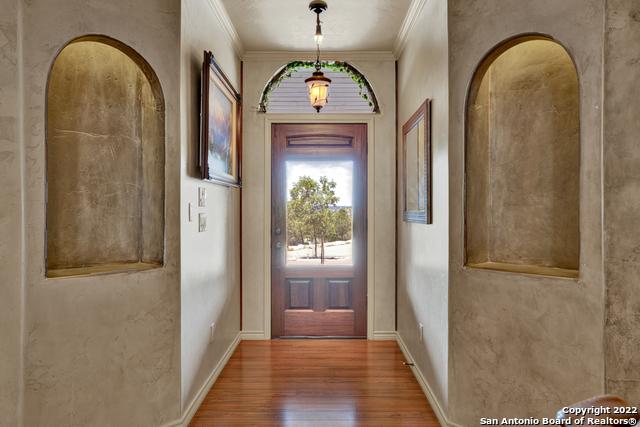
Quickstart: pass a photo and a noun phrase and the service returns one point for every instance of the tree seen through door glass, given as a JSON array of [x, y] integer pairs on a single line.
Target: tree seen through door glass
[[319, 212]]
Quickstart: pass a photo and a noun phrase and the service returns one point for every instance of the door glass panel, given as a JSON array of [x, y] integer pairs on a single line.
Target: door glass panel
[[319, 212]]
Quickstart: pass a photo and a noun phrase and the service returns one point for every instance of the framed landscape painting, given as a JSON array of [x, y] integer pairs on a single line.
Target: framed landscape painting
[[220, 126]]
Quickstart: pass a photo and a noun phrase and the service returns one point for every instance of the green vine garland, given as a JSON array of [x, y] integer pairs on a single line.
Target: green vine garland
[[366, 92]]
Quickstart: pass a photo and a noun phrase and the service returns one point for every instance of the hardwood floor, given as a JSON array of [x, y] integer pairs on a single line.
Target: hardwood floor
[[316, 383]]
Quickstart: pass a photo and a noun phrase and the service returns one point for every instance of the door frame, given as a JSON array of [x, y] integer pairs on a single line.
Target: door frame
[[367, 119]]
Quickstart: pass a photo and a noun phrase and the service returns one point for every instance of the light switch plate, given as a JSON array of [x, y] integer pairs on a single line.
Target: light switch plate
[[202, 222], [190, 212], [202, 197]]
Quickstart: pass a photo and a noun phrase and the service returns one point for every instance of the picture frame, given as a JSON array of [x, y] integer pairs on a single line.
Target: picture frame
[[221, 126], [416, 166]]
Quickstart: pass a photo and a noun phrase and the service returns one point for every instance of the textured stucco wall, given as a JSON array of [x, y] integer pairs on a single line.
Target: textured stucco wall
[[523, 345], [10, 217], [257, 72], [477, 165], [105, 159], [423, 261], [210, 266], [622, 198], [528, 181], [101, 350]]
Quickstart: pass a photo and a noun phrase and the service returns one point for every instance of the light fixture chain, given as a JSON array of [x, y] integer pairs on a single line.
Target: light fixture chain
[[318, 84]]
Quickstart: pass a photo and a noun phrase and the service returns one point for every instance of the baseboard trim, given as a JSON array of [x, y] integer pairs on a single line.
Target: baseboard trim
[[260, 335], [202, 393], [424, 384], [254, 335], [385, 335]]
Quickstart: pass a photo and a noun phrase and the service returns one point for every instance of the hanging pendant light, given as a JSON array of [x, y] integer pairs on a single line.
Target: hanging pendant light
[[318, 84]]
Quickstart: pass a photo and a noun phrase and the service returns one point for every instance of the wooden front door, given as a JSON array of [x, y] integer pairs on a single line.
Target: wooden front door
[[319, 230]]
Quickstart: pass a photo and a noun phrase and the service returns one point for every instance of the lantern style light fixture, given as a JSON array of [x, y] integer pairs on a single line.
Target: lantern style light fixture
[[318, 84]]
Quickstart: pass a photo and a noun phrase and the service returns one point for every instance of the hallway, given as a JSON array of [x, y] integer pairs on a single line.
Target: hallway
[[316, 383], [189, 187]]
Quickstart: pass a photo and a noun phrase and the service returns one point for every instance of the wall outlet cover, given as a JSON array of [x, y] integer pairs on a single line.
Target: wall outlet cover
[[202, 222], [202, 197]]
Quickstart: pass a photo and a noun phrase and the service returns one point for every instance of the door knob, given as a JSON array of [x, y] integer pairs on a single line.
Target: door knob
[[278, 231], [278, 245]]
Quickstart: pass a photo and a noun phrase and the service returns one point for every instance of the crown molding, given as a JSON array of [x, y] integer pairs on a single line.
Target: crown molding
[[415, 8], [284, 55], [223, 16]]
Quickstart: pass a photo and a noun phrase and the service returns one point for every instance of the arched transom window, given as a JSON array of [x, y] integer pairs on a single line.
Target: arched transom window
[[350, 92]]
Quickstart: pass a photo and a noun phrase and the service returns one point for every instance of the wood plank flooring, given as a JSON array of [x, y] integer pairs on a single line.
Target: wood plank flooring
[[316, 383]]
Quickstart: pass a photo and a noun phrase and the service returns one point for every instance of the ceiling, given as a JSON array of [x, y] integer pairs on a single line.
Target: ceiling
[[360, 25]]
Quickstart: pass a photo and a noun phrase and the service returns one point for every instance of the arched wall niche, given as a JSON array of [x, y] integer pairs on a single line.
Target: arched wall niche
[[105, 157], [522, 160], [350, 91]]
